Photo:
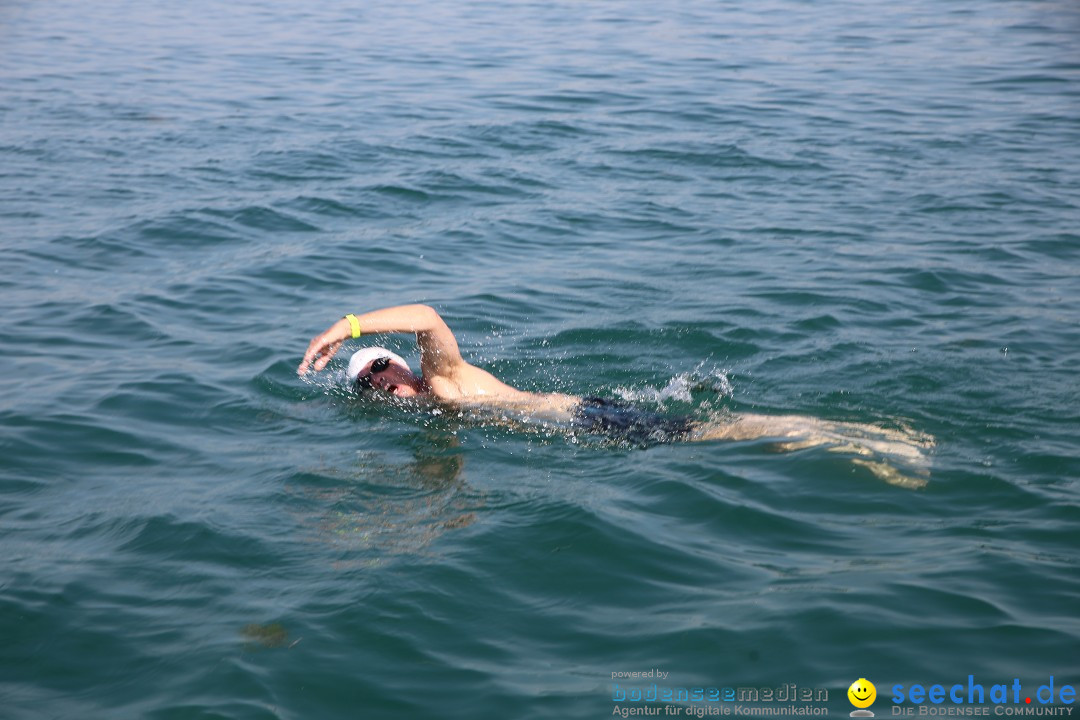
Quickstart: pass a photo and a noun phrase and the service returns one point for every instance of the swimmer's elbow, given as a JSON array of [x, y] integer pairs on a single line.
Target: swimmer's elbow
[[420, 317], [430, 317], [428, 310], [433, 333]]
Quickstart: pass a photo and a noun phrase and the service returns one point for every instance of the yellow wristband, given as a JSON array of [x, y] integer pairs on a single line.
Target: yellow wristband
[[354, 324]]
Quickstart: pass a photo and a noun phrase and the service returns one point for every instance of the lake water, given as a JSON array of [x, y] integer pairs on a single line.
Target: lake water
[[856, 211]]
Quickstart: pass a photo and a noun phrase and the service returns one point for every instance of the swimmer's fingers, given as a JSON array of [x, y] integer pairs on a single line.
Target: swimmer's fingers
[[320, 350], [328, 353], [324, 347], [309, 356]]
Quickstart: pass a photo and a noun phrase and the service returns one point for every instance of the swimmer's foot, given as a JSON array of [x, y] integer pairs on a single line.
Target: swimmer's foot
[[893, 476]]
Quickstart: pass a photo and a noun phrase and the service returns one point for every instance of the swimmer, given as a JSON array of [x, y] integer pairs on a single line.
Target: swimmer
[[447, 378]]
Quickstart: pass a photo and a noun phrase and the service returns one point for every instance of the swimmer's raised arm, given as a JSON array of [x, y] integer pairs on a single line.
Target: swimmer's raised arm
[[439, 353]]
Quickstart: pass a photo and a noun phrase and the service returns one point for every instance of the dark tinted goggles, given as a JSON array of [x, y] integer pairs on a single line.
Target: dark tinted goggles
[[363, 382]]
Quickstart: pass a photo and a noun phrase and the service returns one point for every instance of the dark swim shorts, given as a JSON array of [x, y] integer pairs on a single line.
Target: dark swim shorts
[[622, 421]]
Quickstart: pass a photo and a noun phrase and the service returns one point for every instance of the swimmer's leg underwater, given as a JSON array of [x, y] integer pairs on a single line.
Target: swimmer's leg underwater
[[796, 432]]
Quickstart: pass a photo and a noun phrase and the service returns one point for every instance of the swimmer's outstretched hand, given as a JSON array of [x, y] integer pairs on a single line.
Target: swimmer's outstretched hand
[[325, 346]]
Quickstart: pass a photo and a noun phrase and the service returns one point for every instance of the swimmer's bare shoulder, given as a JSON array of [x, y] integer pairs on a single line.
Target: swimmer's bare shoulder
[[465, 384], [451, 379]]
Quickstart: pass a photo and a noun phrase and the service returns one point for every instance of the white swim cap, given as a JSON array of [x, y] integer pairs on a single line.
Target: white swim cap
[[364, 356]]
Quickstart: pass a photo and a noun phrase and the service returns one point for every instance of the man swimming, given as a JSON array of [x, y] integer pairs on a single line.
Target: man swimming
[[447, 378]]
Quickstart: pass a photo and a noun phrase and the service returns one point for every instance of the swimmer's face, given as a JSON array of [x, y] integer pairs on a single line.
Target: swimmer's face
[[393, 379]]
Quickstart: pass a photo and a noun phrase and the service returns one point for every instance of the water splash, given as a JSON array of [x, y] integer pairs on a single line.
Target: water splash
[[681, 388]]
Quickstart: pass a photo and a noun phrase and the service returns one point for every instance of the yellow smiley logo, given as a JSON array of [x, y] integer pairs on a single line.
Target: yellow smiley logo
[[862, 693]]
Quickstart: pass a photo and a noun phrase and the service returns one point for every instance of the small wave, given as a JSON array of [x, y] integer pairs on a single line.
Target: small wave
[[261, 218]]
